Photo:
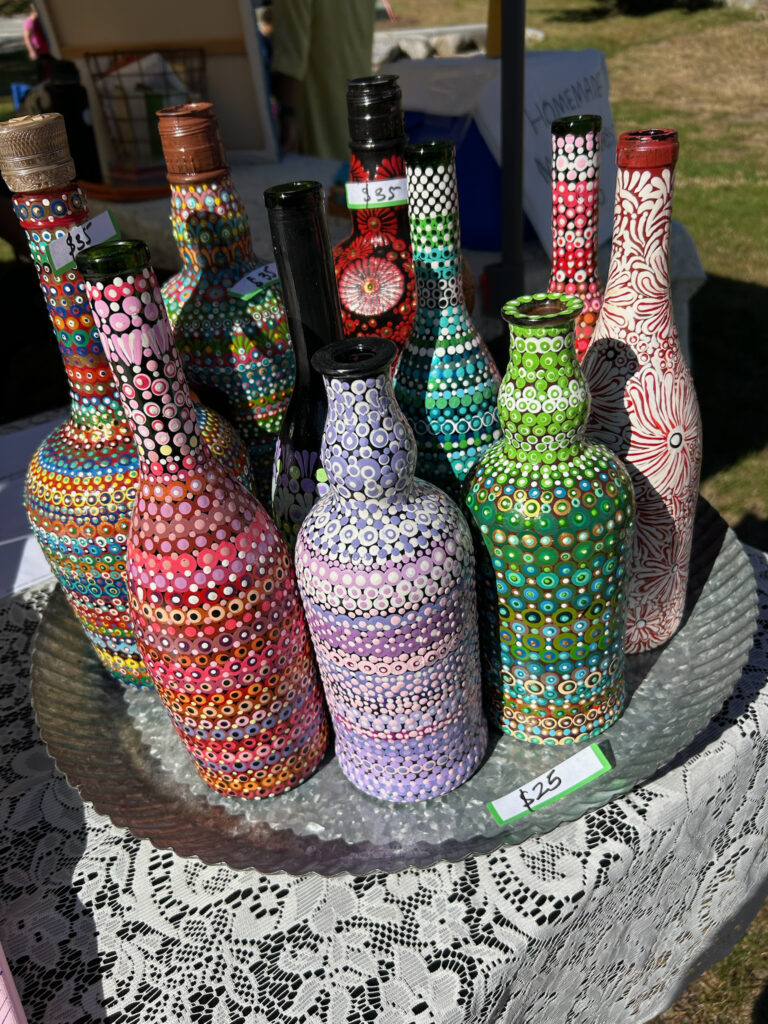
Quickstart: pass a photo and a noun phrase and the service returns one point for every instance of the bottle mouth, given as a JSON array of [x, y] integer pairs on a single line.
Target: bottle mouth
[[432, 153], [112, 259], [648, 147], [355, 358], [577, 124], [544, 309], [293, 195]]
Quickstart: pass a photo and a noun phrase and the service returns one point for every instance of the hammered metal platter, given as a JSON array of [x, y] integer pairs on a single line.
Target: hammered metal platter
[[118, 748]]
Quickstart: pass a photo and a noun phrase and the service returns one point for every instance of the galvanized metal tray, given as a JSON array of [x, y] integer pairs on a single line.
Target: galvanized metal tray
[[118, 748]]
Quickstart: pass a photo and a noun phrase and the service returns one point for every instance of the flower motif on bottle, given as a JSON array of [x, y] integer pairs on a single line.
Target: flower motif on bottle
[[371, 286], [377, 225]]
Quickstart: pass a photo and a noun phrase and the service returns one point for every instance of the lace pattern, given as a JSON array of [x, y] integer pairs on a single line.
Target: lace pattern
[[606, 919]]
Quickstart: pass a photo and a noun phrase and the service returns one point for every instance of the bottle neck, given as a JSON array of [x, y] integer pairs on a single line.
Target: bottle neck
[[384, 224], [433, 209], [46, 216], [137, 341], [575, 207], [210, 225], [640, 252], [543, 400], [378, 464]]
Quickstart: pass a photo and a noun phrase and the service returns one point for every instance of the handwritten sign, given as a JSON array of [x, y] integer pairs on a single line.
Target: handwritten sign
[[254, 281], [361, 195], [566, 777], [63, 250]]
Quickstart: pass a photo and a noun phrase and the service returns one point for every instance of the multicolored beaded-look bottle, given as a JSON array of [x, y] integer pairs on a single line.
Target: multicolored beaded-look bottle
[[374, 266], [305, 263], [555, 511], [81, 482], [446, 382], [214, 601], [575, 209], [239, 349], [644, 404], [386, 570]]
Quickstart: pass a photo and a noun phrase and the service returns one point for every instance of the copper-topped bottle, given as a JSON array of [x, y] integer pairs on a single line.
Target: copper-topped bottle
[[644, 403], [238, 348], [81, 482]]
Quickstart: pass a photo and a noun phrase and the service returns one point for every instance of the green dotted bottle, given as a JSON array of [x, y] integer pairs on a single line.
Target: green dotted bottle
[[555, 512], [446, 382]]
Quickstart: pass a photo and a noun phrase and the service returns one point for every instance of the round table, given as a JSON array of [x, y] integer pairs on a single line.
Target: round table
[[605, 919]]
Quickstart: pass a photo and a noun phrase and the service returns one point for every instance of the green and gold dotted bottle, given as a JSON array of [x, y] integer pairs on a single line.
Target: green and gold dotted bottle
[[555, 513]]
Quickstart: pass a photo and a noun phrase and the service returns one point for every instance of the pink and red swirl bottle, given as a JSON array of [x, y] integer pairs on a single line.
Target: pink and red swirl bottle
[[644, 405], [213, 595], [575, 208], [374, 264]]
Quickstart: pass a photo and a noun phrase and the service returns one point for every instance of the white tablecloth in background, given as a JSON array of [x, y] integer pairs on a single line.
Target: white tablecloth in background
[[603, 921]]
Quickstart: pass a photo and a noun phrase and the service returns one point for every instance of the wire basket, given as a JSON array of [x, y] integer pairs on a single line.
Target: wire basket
[[132, 87]]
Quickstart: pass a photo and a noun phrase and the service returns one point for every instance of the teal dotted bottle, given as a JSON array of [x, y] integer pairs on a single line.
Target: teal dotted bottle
[[446, 382], [555, 512]]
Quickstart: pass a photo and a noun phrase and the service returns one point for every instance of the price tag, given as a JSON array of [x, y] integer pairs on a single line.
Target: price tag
[[254, 281], [364, 194], [572, 774], [62, 251]]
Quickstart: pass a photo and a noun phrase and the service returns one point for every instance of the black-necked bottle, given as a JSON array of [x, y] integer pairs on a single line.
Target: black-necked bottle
[[304, 258], [374, 264], [81, 482], [238, 348]]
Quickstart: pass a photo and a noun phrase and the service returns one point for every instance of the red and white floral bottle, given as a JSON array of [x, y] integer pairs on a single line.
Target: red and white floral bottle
[[213, 596], [644, 403], [575, 208], [374, 264]]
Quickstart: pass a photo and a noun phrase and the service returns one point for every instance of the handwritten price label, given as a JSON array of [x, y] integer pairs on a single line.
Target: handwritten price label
[[62, 251], [254, 281], [364, 194], [572, 774]]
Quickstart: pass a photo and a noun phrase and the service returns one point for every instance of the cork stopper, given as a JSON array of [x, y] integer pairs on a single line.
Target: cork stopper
[[34, 153], [192, 146]]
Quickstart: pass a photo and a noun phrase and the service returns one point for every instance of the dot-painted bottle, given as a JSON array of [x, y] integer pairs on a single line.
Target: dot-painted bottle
[[237, 349], [213, 595], [644, 404], [386, 570], [81, 482], [555, 511], [446, 382], [374, 266], [305, 263], [575, 209]]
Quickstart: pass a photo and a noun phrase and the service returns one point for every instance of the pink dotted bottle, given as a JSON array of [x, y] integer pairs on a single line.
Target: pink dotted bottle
[[212, 592]]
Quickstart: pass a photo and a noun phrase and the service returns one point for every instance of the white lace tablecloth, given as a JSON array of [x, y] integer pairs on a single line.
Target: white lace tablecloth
[[606, 919]]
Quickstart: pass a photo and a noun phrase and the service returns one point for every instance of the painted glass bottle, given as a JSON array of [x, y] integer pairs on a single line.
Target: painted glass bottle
[[81, 482], [575, 209], [386, 570], [644, 404], [213, 595], [555, 511], [305, 263], [374, 266], [446, 382], [237, 349]]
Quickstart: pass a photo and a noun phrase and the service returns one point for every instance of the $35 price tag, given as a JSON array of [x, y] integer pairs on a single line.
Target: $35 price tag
[[364, 194], [62, 251], [566, 777], [254, 281]]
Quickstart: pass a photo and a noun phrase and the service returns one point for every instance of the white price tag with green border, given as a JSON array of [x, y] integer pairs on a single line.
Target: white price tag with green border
[[558, 782], [254, 281], [361, 195], [62, 251]]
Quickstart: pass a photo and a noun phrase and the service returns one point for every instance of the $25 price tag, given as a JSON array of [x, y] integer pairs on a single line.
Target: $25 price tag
[[254, 281], [62, 251], [566, 777], [364, 194]]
